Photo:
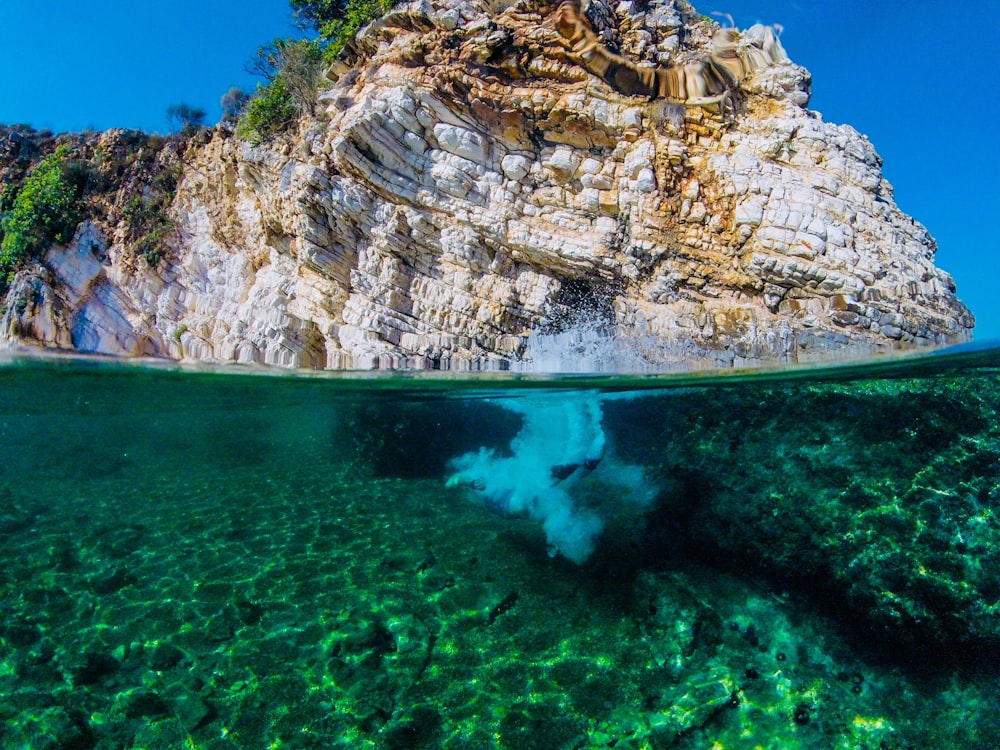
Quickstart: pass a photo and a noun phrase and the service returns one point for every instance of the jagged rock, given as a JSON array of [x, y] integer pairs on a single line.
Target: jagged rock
[[474, 176]]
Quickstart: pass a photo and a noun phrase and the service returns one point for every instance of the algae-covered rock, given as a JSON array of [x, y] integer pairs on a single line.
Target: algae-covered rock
[[55, 728], [880, 496]]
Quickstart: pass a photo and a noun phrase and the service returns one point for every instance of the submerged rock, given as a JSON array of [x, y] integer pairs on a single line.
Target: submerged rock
[[478, 172], [876, 500]]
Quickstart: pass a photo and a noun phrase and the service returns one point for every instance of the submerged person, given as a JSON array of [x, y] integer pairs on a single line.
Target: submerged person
[[561, 442]]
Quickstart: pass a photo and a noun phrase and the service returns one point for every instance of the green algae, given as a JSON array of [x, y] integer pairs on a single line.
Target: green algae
[[882, 494], [230, 562]]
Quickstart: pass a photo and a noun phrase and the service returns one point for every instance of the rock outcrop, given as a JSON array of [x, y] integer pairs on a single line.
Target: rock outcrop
[[477, 178]]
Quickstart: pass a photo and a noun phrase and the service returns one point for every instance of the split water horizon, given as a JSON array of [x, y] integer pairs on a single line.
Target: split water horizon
[[796, 557]]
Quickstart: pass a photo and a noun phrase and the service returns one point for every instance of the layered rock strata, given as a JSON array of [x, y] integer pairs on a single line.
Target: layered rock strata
[[473, 180], [704, 82]]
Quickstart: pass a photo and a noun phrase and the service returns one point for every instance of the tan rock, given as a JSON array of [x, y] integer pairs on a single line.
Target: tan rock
[[452, 200]]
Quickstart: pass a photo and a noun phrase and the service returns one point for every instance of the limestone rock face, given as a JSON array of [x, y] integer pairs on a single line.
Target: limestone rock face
[[475, 180]]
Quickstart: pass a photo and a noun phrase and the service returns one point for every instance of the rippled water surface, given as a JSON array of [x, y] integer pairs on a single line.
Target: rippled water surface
[[798, 558]]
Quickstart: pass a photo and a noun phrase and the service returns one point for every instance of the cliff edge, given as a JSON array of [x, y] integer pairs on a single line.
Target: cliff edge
[[479, 180]]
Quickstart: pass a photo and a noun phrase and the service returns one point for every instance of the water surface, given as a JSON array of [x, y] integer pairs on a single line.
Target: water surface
[[222, 559]]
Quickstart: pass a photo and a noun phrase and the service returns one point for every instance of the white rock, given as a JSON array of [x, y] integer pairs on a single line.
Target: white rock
[[750, 211], [515, 167], [461, 142], [645, 181], [563, 160]]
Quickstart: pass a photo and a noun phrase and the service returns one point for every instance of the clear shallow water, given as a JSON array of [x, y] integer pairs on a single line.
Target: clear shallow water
[[801, 558]]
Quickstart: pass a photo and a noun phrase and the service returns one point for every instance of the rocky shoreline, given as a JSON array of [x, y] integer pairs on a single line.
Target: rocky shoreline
[[468, 182]]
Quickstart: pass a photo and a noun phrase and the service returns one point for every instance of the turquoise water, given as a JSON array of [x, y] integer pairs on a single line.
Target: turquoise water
[[804, 558]]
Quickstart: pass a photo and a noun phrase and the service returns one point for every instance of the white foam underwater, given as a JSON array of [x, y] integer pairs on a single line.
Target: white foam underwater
[[559, 447]]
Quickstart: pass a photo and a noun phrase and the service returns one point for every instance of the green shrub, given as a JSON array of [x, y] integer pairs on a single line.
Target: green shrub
[[7, 198], [43, 211], [150, 245], [339, 32], [292, 68], [271, 111], [332, 18], [301, 68], [337, 21]]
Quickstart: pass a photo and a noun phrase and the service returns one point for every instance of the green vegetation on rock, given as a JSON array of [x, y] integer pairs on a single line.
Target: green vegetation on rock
[[44, 210], [357, 14], [144, 202], [292, 69], [270, 111], [149, 225], [52, 183], [336, 21]]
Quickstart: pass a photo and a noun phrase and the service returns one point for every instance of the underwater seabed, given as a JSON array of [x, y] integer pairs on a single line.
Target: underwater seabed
[[807, 559]]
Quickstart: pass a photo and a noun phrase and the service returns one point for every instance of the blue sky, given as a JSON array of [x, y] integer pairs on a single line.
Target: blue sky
[[918, 77], [75, 64]]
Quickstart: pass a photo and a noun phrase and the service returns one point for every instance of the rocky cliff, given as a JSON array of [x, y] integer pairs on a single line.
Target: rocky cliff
[[479, 176]]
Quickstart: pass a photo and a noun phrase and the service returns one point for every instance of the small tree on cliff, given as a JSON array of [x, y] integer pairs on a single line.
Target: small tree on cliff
[[318, 13], [292, 68], [185, 117], [233, 102], [269, 112], [338, 21], [299, 63]]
